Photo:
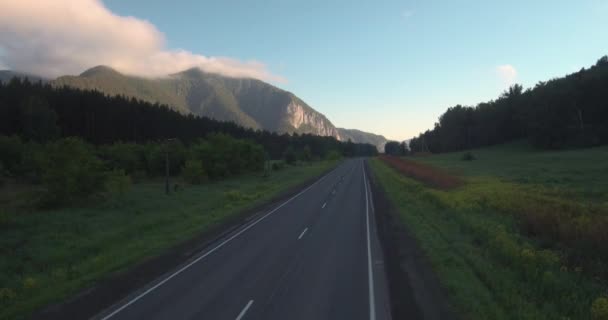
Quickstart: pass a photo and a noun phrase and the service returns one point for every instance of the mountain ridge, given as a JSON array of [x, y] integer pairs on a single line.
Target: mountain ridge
[[248, 102]]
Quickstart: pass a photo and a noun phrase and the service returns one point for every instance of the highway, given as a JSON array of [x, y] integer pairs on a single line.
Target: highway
[[313, 256]]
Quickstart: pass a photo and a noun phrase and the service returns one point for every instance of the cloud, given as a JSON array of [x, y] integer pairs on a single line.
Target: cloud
[[507, 74], [57, 37]]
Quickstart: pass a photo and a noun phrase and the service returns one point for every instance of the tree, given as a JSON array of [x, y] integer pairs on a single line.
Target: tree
[[193, 172], [39, 121], [290, 155], [395, 148], [71, 171], [306, 153]]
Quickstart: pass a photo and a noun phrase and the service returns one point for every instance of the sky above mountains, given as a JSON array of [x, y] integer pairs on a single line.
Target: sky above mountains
[[389, 67]]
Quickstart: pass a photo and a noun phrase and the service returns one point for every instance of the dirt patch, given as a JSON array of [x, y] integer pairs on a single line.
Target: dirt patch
[[415, 291], [112, 289], [429, 175]]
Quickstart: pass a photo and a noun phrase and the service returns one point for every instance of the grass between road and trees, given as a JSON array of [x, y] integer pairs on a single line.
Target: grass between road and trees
[[75, 220], [524, 236]]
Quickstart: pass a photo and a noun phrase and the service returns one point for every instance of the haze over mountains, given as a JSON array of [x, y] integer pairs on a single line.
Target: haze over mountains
[[248, 102]]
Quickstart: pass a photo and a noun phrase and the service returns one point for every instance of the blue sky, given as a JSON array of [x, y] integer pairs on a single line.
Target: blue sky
[[389, 67]]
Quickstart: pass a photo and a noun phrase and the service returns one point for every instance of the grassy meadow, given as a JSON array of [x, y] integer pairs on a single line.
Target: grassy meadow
[[525, 236], [46, 256]]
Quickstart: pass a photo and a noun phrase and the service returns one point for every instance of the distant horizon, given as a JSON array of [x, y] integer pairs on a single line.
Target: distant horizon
[[388, 68]]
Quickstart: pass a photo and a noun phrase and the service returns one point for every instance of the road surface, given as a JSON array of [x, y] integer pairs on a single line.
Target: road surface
[[313, 256]]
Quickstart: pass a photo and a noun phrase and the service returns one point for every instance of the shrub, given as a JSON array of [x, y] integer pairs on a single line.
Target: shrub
[[193, 172], [29, 283], [468, 156], [71, 170], [290, 155], [11, 152], [124, 156], [118, 183], [7, 294], [333, 155], [278, 165], [33, 162], [599, 309]]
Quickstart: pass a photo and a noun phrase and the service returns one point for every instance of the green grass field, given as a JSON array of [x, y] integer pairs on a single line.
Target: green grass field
[[47, 256], [479, 236], [582, 172]]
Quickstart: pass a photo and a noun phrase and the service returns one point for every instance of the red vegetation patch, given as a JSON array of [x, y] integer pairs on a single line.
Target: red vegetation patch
[[429, 175]]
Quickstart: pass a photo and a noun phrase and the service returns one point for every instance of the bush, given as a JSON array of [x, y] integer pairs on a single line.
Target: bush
[[118, 183], [599, 309], [223, 155], [333, 155], [290, 155], [124, 156], [11, 152], [278, 165], [468, 156], [71, 170], [33, 162], [193, 172]]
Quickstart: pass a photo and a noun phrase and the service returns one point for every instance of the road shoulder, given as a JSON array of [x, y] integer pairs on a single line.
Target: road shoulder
[[415, 291]]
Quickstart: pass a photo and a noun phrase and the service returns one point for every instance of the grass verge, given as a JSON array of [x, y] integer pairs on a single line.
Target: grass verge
[[48, 256], [490, 269]]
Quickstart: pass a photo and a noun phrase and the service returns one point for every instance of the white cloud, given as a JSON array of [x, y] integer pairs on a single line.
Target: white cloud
[[59, 37], [507, 74]]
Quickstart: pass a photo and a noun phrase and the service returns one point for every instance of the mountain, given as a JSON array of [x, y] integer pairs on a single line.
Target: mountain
[[363, 137], [7, 75], [247, 102]]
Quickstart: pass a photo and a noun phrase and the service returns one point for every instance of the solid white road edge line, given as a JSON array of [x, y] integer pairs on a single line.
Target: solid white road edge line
[[242, 314], [113, 313], [302, 234], [370, 273]]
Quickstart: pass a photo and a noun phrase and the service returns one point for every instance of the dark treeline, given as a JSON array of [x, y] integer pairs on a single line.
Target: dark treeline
[[561, 113], [41, 113], [395, 148]]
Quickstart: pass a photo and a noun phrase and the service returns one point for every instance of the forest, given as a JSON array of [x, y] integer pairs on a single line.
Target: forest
[[76, 143], [568, 112]]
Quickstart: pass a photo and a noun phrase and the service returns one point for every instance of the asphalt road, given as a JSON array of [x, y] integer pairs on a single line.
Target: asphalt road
[[314, 256]]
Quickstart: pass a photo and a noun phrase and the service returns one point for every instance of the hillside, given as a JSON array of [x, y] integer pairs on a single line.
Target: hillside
[[247, 102], [7, 75], [363, 137]]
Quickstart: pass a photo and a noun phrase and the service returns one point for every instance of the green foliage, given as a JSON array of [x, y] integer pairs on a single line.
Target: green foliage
[[11, 152], [155, 156], [599, 309], [223, 155], [560, 113], [103, 119], [71, 170], [333, 156], [525, 222], [278, 165], [38, 119], [306, 154], [193, 172], [124, 156], [69, 249], [395, 148], [468, 156], [118, 183], [290, 156]]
